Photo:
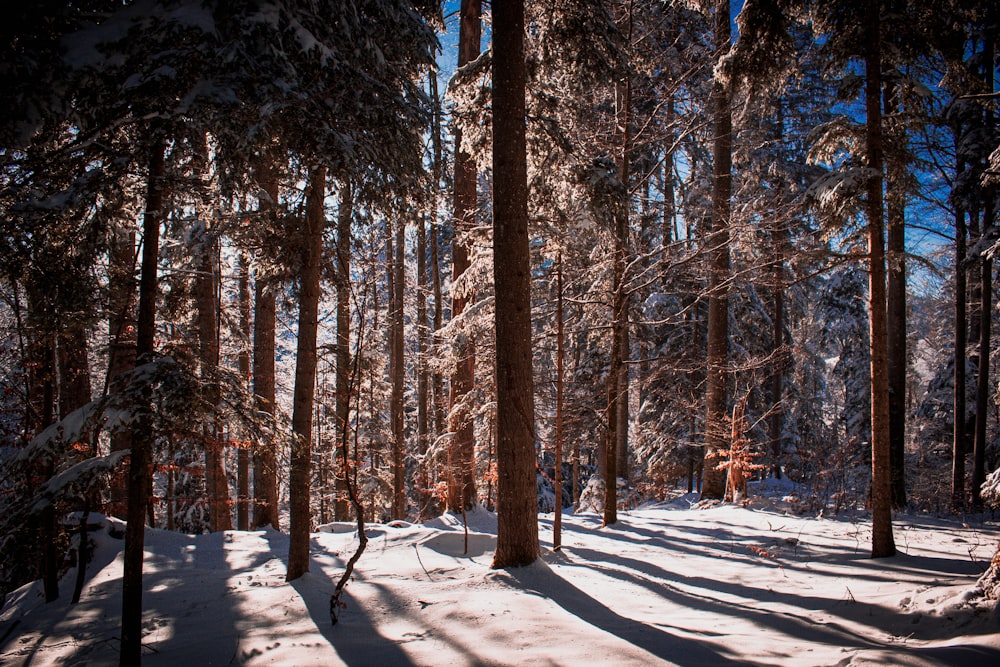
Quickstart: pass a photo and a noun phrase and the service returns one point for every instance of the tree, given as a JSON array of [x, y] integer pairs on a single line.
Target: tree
[[882, 541], [462, 467], [517, 522], [310, 236], [714, 482]]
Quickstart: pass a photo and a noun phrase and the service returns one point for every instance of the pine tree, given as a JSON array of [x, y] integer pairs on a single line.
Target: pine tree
[[517, 522]]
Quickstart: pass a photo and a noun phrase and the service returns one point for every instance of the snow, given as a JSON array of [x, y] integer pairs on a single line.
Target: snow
[[667, 584]]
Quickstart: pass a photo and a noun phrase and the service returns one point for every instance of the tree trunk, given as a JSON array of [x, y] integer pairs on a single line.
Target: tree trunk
[[345, 214], [299, 484], [896, 313], [560, 352], [121, 346], [141, 456], [983, 394], [437, 381], [462, 486], [882, 540], [983, 376], [396, 373], [517, 509], [423, 383], [620, 322], [206, 289], [961, 331], [714, 480], [265, 460], [243, 363]]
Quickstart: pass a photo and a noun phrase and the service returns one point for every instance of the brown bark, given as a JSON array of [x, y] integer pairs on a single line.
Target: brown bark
[[462, 476], [437, 381], [341, 507], [961, 331], [243, 364], [983, 391], [140, 458], [714, 480], [423, 381], [396, 373], [882, 540], [560, 353], [121, 346], [896, 311], [299, 484], [517, 512], [206, 289], [265, 463]]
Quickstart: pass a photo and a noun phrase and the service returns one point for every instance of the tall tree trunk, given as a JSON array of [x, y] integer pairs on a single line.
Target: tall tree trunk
[[961, 332], [896, 305], [716, 433], [517, 509], [299, 484], [243, 364], [206, 289], [121, 345], [437, 381], [983, 375], [882, 540], [141, 456], [345, 214], [620, 322], [397, 372], [462, 487], [560, 353], [423, 382], [983, 394], [265, 460]]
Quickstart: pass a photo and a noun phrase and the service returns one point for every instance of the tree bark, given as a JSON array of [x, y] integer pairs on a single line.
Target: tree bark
[[243, 364], [206, 289], [517, 511], [265, 460], [714, 480], [983, 393], [961, 332], [462, 477], [896, 313], [121, 346], [882, 540], [141, 455], [299, 484], [560, 353], [396, 373], [345, 214]]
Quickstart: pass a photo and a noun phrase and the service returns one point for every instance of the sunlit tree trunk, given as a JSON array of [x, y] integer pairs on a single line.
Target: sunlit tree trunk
[[517, 510], [961, 333], [141, 456], [462, 477], [396, 373], [714, 478], [265, 461], [299, 483], [882, 540], [206, 290], [896, 312], [243, 365], [345, 215]]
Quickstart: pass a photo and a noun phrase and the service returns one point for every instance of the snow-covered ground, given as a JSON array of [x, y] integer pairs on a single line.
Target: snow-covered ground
[[667, 584]]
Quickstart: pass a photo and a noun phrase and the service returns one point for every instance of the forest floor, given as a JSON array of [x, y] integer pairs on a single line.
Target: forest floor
[[668, 584]]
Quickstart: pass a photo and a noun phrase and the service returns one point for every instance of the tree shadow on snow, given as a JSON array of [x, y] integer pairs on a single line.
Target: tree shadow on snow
[[542, 580]]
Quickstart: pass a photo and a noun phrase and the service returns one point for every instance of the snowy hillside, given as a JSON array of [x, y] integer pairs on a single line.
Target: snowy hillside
[[669, 584]]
